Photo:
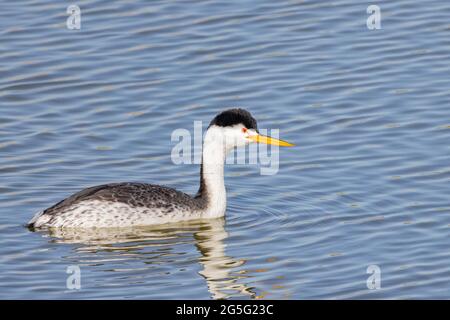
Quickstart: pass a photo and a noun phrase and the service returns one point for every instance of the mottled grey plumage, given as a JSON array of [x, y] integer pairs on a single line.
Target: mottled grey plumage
[[156, 201], [135, 195]]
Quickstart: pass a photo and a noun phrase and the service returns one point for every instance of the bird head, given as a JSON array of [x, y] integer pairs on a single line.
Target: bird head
[[236, 128]]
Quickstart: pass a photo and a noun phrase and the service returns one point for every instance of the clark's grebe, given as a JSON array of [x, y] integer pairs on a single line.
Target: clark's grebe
[[137, 204]]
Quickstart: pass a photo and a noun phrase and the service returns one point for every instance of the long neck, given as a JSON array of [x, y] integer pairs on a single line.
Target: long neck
[[212, 186]]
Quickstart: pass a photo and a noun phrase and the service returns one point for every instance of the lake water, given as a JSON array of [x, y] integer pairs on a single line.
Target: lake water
[[367, 186]]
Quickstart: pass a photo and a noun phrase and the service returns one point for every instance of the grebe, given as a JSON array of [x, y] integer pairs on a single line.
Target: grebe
[[131, 204]]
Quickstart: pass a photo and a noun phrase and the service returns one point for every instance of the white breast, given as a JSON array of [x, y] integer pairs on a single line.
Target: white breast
[[104, 214]]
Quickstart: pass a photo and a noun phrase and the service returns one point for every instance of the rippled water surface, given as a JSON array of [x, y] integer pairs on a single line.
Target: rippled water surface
[[367, 184]]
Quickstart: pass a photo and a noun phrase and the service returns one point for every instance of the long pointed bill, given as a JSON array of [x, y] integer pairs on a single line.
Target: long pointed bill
[[268, 140]]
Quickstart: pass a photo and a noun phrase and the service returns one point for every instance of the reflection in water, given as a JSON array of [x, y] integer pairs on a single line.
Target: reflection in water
[[162, 241], [216, 264]]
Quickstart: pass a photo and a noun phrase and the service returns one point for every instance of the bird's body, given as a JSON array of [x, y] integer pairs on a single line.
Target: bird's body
[[122, 205], [137, 204]]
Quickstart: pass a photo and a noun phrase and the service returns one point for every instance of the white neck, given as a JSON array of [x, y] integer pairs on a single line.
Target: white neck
[[213, 159]]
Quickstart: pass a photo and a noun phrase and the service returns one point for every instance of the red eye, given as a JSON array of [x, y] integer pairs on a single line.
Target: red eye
[[244, 130]]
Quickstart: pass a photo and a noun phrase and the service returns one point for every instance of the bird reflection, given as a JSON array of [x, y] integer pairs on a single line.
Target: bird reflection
[[216, 264], [158, 244]]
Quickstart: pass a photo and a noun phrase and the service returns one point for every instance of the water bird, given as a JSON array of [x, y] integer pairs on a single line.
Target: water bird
[[130, 204]]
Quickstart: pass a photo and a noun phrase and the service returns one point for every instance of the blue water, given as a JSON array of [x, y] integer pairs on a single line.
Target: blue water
[[367, 184]]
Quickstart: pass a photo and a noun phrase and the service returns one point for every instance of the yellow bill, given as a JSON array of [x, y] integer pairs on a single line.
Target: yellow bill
[[268, 140]]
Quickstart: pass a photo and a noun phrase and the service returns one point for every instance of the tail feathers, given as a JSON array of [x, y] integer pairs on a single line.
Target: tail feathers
[[38, 220]]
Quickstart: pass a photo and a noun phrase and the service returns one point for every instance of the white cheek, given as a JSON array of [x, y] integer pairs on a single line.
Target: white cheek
[[243, 139]]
